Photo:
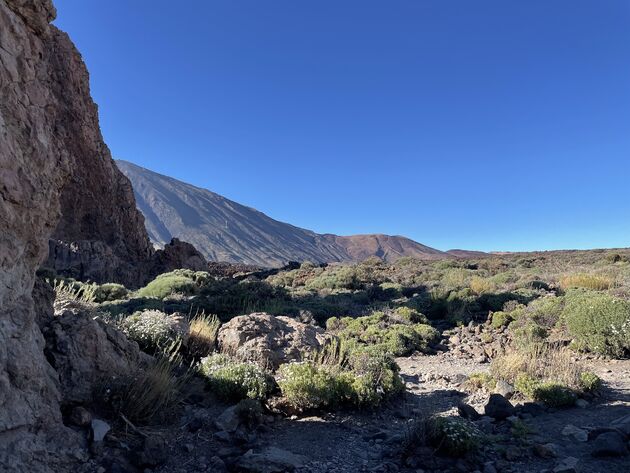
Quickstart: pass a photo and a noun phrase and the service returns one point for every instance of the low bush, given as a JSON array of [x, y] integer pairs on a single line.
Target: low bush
[[501, 319], [376, 377], [309, 386], [481, 380], [233, 380], [110, 292], [590, 382], [550, 393], [453, 436], [167, 284], [392, 334], [154, 330], [481, 285], [598, 322]]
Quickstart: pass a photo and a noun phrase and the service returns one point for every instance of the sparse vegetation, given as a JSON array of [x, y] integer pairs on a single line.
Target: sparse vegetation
[[453, 436], [203, 335], [231, 379], [153, 330]]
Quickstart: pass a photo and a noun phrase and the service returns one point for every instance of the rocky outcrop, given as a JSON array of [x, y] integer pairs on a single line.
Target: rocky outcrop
[[56, 177], [269, 340], [87, 353]]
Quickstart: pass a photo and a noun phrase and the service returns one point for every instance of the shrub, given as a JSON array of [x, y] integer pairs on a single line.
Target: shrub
[[310, 386], [153, 330], [587, 281], [232, 380], [590, 382], [391, 333], [501, 319], [203, 334], [481, 285], [598, 322], [552, 394], [110, 292], [453, 436], [376, 377], [481, 380], [166, 284], [70, 289]]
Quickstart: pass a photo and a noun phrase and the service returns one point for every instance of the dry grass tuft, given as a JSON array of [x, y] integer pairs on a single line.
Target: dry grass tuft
[[203, 335], [587, 281], [542, 362], [480, 285]]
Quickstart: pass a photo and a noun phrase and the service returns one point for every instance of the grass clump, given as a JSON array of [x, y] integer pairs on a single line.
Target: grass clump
[[202, 337], [480, 285], [453, 436], [598, 322], [233, 380], [153, 330], [587, 281], [151, 395]]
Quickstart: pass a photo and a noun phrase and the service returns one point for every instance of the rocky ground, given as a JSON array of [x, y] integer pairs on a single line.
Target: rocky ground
[[209, 437]]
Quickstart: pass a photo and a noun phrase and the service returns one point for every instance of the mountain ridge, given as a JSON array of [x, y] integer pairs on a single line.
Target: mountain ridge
[[224, 230]]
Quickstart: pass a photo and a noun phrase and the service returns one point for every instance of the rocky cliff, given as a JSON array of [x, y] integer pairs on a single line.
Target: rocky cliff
[[57, 180]]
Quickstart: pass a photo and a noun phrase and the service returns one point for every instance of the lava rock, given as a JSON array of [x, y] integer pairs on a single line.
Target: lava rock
[[609, 444], [498, 407], [80, 416]]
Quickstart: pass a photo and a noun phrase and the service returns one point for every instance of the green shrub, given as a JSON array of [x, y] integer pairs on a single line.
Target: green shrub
[[501, 319], [590, 382], [110, 292], [391, 333], [453, 436], [309, 386], [233, 380], [481, 380], [598, 322], [168, 284], [153, 330], [550, 393], [376, 377]]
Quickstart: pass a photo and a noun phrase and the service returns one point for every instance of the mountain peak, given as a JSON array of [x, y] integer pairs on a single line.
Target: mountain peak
[[224, 230]]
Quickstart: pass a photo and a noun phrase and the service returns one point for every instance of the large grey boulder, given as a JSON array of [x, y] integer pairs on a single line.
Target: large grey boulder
[[269, 340]]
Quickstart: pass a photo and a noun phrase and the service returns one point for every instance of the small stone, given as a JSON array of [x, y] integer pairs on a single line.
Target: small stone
[[189, 447], [228, 420], [222, 436], [216, 465], [567, 465], [582, 403], [622, 424], [547, 450], [504, 388], [609, 444], [99, 429], [577, 434], [80, 417]]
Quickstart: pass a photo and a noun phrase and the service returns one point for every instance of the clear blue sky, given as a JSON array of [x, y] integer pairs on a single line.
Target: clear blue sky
[[490, 125]]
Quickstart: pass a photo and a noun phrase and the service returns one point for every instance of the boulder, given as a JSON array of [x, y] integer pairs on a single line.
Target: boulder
[[269, 340], [609, 444], [467, 411], [575, 433], [504, 388], [622, 424], [86, 352], [498, 407]]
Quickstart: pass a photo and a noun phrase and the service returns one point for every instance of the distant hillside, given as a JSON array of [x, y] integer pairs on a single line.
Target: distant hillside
[[224, 230], [467, 253]]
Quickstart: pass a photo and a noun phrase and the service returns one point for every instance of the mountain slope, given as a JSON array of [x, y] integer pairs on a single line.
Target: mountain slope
[[224, 230]]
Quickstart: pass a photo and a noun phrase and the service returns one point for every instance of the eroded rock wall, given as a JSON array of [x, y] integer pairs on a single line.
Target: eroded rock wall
[[49, 143]]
